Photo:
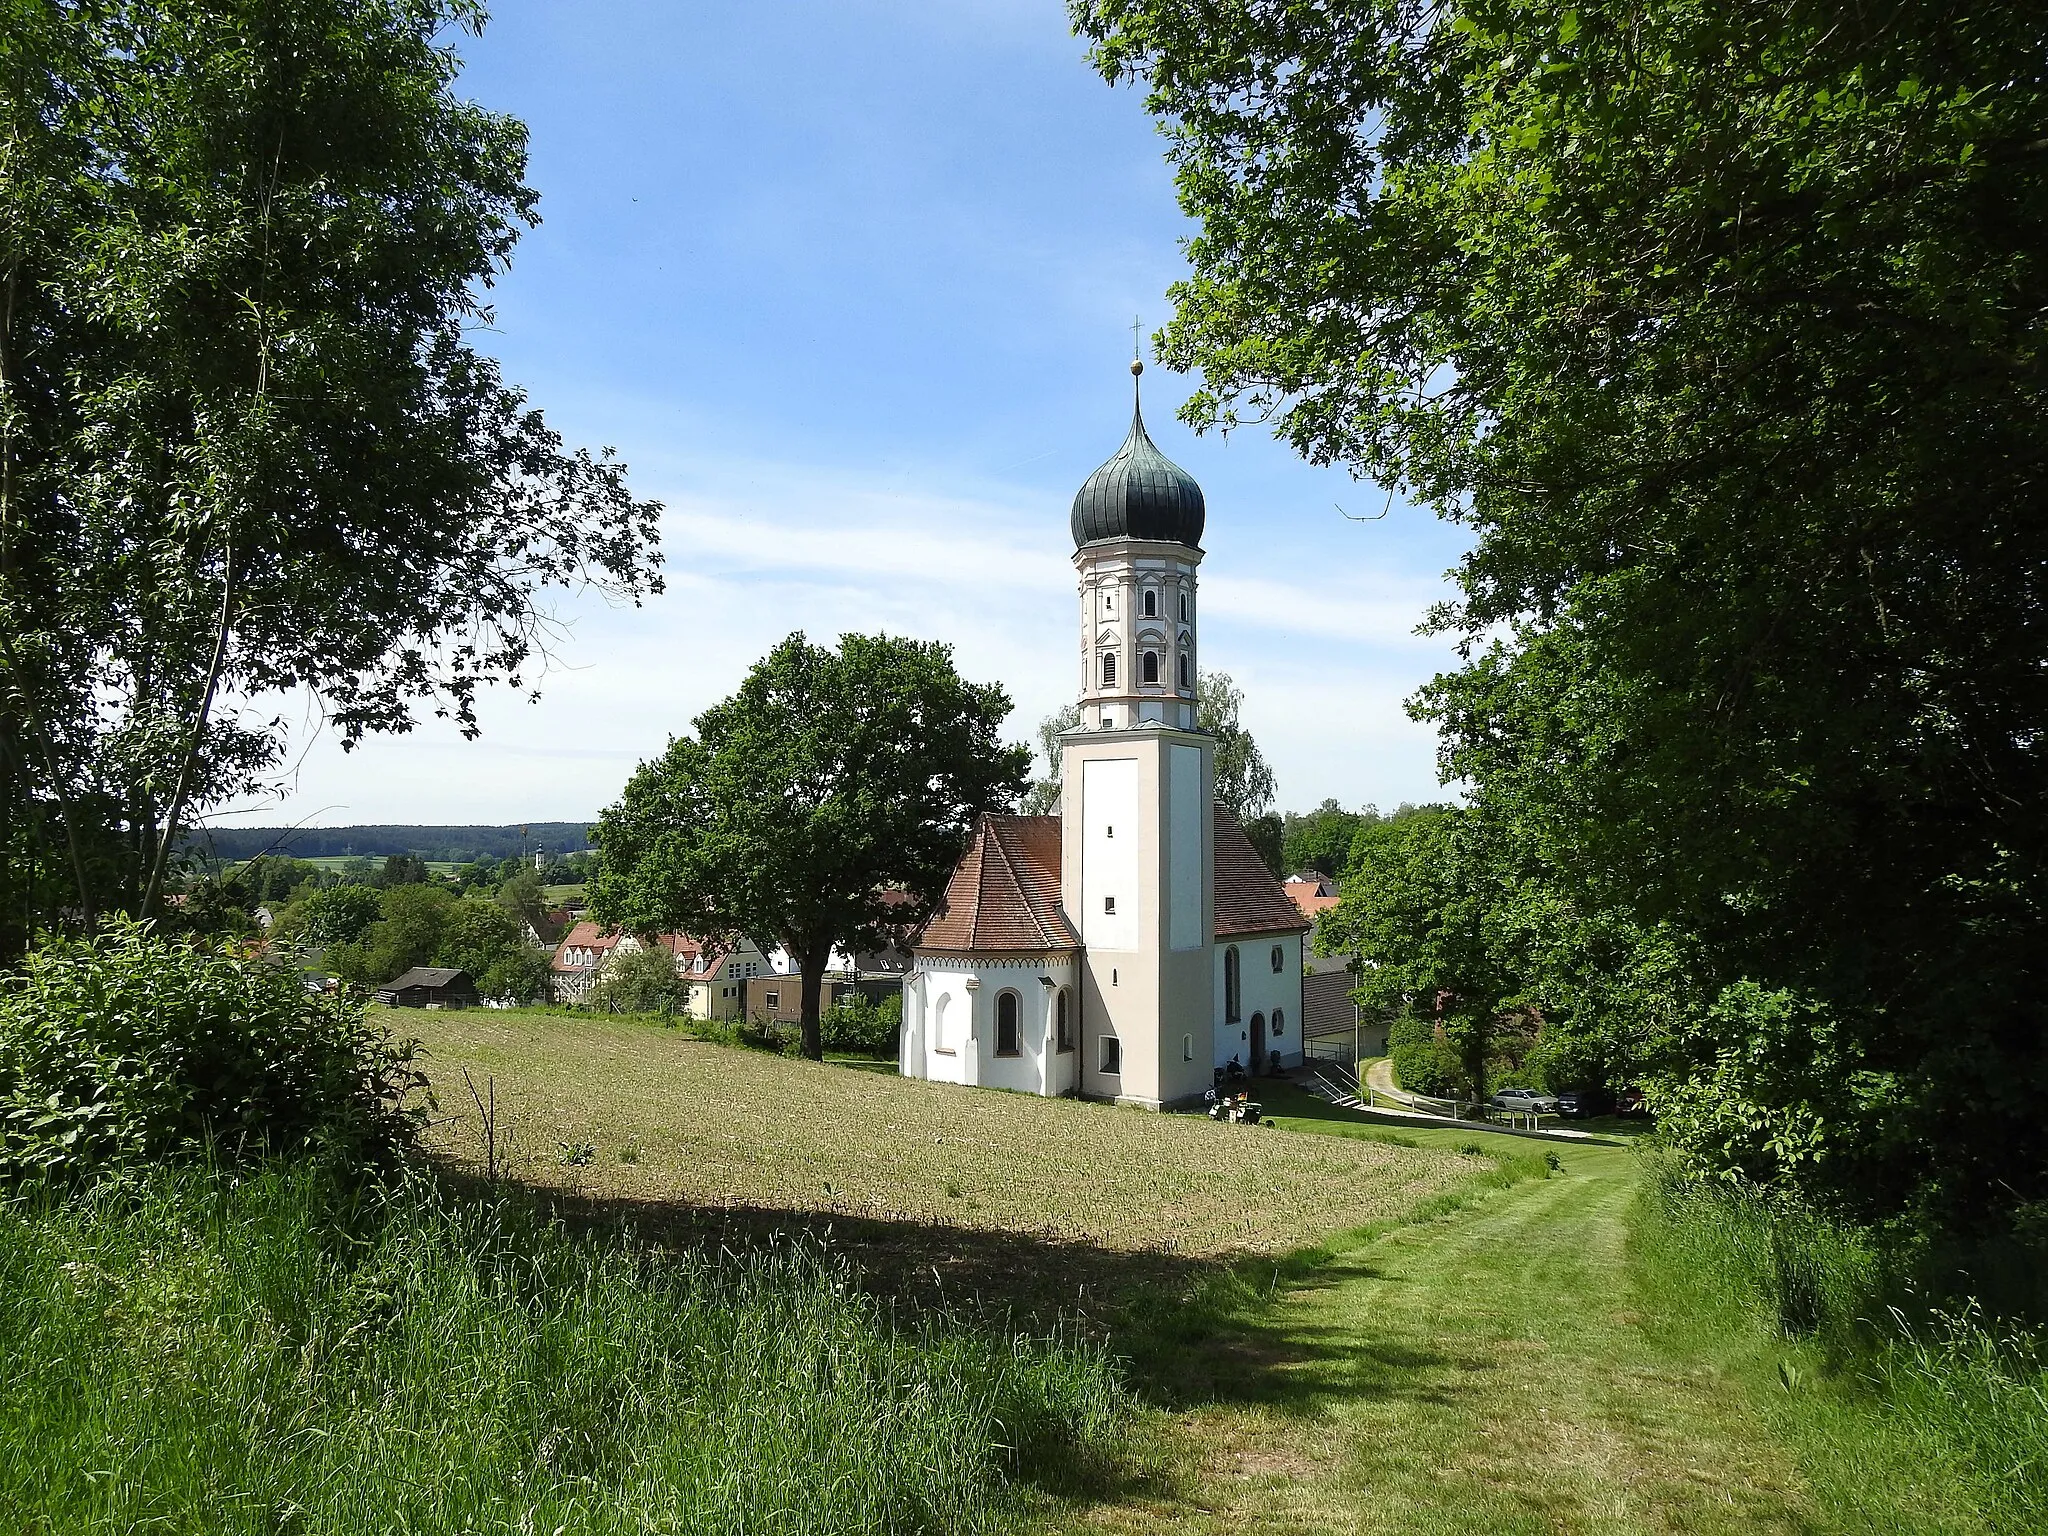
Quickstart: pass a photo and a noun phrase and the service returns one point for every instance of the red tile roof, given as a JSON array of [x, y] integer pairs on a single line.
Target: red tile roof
[[587, 935], [1005, 891], [1248, 898]]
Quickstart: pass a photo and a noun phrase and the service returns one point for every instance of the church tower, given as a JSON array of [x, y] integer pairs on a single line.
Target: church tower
[[1137, 877]]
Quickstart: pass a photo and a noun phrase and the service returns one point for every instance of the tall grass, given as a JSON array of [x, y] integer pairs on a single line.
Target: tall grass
[[1968, 1392], [185, 1352]]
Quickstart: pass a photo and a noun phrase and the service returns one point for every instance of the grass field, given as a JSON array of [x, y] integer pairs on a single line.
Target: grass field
[[1029, 1199], [1327, 1325]]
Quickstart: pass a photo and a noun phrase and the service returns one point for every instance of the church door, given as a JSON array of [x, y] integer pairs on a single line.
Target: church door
[[1258, 1042]]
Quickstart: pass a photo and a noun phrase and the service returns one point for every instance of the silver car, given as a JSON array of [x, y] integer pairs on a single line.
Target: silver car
[[1525, 1101]]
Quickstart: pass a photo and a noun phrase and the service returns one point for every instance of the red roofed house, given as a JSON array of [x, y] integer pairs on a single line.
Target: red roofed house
[[714, 972], [1312, 893], [1134, 945]]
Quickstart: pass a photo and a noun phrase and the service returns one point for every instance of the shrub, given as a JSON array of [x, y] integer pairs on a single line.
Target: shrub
[[1423, 1060], [129, 1047], [858, 1025], [641, 981]]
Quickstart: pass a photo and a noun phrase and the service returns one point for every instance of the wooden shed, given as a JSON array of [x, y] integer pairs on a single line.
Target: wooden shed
[[429, 986]]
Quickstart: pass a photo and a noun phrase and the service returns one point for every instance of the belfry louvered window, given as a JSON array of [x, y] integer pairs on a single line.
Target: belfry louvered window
[[1109, 669]]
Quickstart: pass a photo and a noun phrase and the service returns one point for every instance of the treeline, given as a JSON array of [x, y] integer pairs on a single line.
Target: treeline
[[437, 845], [1723, 332]]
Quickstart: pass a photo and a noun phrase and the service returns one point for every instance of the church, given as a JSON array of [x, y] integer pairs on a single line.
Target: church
[[1133, 946]]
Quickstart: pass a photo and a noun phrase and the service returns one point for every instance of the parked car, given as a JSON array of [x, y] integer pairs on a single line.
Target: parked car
[[1577, 1103], [1524, 1101]]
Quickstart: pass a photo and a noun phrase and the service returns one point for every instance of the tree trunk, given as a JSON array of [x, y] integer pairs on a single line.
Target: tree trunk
[[193, 747], [813, 963]]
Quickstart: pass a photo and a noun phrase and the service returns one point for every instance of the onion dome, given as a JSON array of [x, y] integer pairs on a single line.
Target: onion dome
[[1139, 494]]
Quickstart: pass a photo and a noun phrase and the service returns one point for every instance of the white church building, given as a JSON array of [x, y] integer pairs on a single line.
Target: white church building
[[1133, 946]]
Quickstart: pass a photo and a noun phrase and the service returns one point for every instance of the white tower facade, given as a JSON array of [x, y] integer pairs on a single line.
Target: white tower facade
[[1137, 875]]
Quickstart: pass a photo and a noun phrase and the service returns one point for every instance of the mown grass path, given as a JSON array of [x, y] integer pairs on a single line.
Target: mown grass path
[[1493, 1370]]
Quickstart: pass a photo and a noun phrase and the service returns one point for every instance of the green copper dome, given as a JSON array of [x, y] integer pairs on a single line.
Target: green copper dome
[[1139, 494]]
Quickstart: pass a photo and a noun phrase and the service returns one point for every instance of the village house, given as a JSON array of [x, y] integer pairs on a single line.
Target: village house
[[715, 973]]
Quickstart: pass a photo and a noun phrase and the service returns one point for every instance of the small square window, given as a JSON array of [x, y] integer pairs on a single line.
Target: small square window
[[1112, 1056], [1109, 904], [774, 999]]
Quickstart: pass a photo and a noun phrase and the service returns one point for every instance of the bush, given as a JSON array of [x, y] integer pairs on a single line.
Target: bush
[[858, 1025], [1423, 1060], [641, 981], [456, 1366], [1968, 1392], [131, 1047]]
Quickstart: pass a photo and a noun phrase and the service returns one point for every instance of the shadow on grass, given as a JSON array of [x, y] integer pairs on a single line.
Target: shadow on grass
[[1191, 1331]]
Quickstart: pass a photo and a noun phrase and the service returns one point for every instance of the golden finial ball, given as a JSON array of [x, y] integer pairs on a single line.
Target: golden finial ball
[[1137, 367]]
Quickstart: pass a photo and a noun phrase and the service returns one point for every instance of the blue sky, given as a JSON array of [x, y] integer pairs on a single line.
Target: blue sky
[[850, 286]]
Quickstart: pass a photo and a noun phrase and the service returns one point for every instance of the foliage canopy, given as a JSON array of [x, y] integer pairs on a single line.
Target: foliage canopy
[[825, 803], [1722, 328]]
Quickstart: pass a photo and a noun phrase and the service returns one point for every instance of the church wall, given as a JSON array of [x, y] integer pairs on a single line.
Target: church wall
[[951, 1022], [1261, 990]]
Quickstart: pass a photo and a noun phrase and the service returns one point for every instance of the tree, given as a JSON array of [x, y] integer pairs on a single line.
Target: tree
[[1440, 929], [476, 934], [405, 869], [1321, 839], [409, 931], [524, 897], [245, 445], [830, 779], [642, 980], [1042, 796], [1244, 784], [1722, 328], [339, 914]]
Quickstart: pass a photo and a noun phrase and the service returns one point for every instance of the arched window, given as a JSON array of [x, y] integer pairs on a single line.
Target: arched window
[[1183, 605], [1148, 667], [939, 1042], [1187, 1047], [1279, 1021], [1109, 669], [1006, 1025], [1063, 1032], [1279, 957], [1151, 604], [1232, 1011], [1184, 669]]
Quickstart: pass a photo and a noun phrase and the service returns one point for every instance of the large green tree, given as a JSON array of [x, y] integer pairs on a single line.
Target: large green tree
[[1244, 782], [1721, 326], [825, 803], [246, 446]]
